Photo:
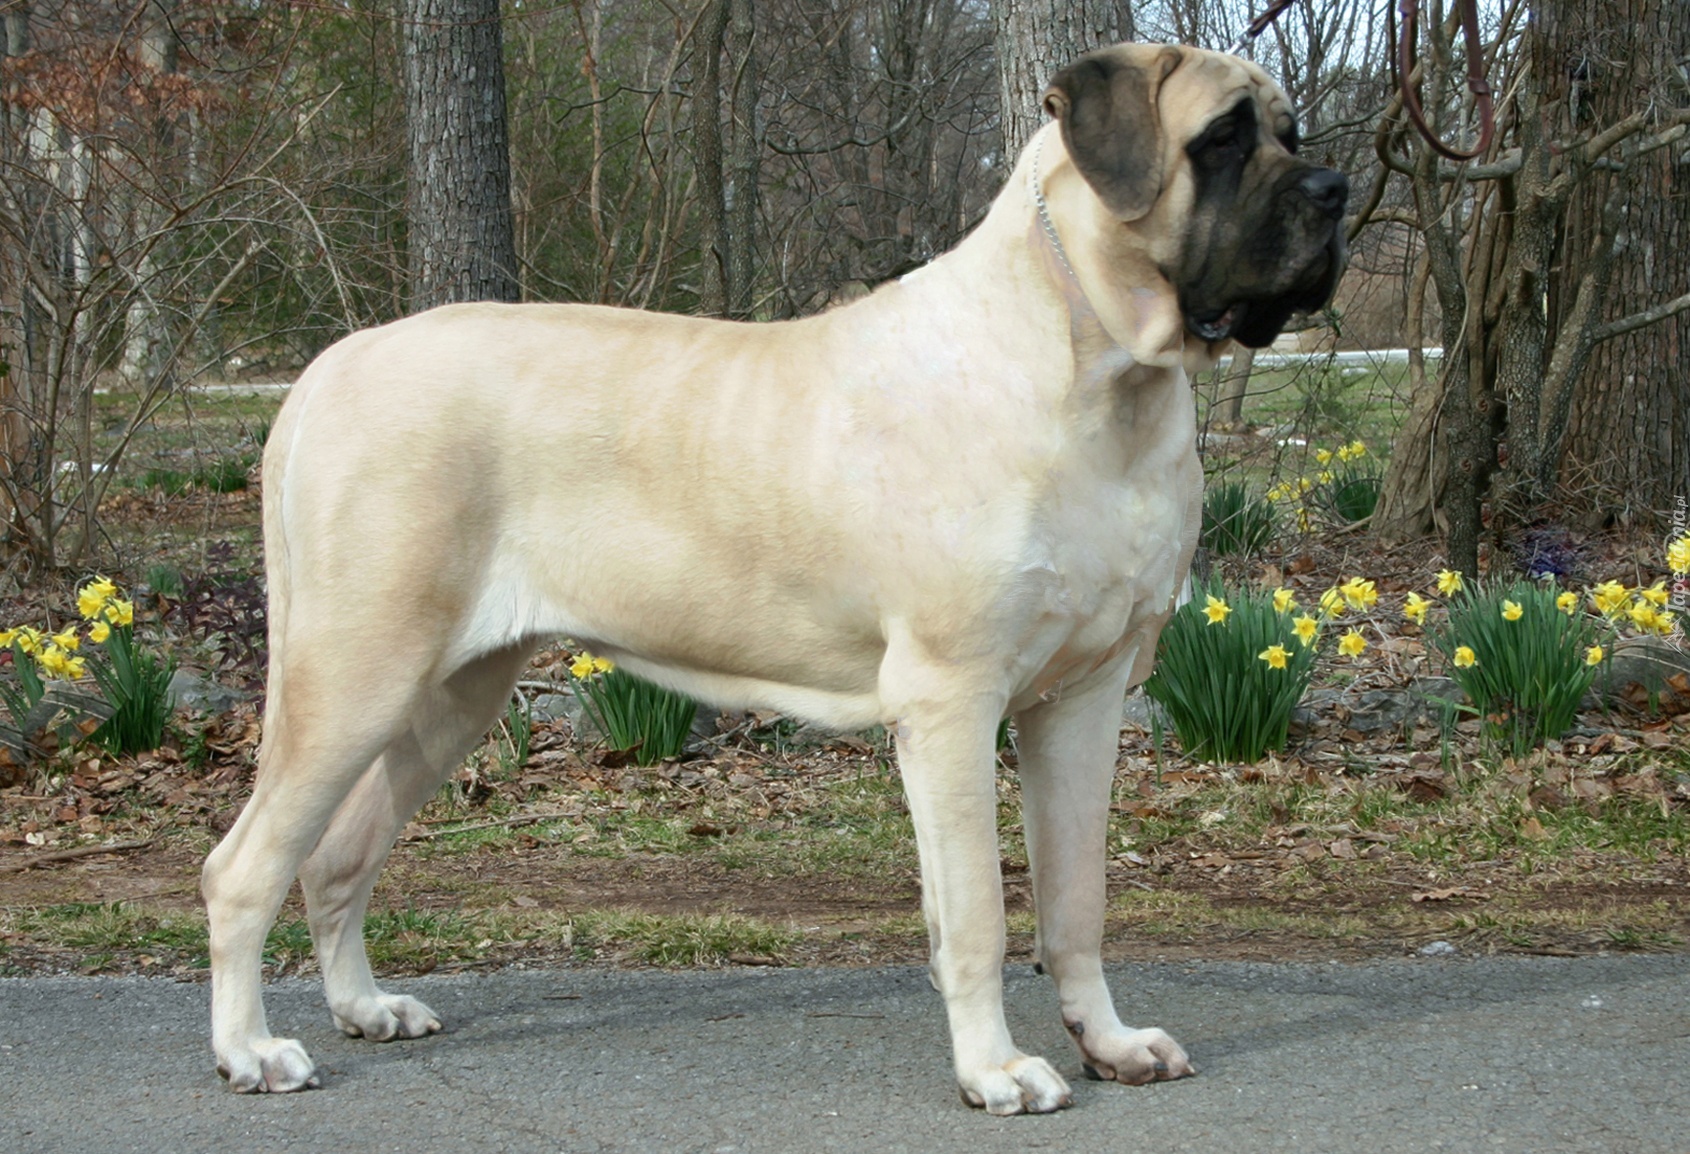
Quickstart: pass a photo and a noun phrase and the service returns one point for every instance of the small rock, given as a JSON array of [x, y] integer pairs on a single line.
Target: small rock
[[1437, 950], [551, 706], [1140, 711], [201, 695]]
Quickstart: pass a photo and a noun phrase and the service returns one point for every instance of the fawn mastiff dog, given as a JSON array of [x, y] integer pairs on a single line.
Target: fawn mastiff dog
[[971, 494]]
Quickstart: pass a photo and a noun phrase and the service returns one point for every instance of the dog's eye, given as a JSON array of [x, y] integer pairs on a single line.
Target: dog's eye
[[1222, 134], [1290, 139]]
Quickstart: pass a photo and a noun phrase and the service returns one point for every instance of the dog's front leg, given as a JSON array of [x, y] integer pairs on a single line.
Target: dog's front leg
[[1067, 749], [946, 754]]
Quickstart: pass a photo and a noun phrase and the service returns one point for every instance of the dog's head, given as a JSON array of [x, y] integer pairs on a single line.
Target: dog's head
[[1192, 157]]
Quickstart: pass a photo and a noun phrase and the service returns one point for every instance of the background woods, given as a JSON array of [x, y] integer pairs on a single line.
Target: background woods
[[190, 186]]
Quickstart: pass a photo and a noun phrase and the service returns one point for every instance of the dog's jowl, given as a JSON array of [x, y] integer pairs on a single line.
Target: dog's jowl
[[972, 493]]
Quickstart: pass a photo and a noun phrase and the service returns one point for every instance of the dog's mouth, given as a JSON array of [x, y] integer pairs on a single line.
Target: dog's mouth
[[1216, 324]]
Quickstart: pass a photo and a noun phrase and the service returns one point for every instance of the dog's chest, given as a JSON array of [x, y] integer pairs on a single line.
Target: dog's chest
[[1106, 546]]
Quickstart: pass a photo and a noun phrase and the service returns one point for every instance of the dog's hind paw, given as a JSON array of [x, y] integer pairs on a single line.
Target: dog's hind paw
[[1024, 1086], [386, 1017], [269, 1066]]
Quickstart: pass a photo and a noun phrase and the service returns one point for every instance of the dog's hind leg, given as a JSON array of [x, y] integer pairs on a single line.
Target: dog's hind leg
[[319, 738], [341, 871], [1067, 749]]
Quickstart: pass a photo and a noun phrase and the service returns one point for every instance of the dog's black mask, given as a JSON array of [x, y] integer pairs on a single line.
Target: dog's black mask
[[1266, 234]]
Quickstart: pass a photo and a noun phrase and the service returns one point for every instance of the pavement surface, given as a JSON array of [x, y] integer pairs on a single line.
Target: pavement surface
[[1492, 1054]]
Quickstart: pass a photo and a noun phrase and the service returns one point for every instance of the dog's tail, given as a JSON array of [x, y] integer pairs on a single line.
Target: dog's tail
[[278, 573]]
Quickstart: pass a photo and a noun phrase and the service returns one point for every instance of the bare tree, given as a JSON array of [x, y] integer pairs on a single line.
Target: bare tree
[[1510, 363]]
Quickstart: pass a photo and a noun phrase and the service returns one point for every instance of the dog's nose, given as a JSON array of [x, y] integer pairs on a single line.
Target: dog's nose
[[1327, 188]]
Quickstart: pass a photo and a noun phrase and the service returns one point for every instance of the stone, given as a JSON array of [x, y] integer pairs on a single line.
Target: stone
[[198, 694]]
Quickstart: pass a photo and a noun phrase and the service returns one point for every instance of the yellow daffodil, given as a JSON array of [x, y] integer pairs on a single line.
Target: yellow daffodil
[[1449, 582], [29, 640], [1512, 611], [1332, 602], [1274, 494], [1344, 453], [1216, 610], [1678, 555], [1656, 594], [1358, 450], [1304, 484], [68, 638], [1593, 655], [120, 612], [1664, 623], [98, 632], [1284, 600], [603, 665], [1303, 522], [1643, 615], [1568, 603], [1464, 658], [93, 597], [55, 662], [1324, 476], [1414, 608], [1324, 456], [1359, 594], [1352, 644], [1610, 598], [6, 636], [582, 666], [1305, 627], [1275, 656]]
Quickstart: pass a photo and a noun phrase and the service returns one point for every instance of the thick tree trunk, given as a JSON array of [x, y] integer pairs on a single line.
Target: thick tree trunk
[[460, 233], [1035, 38], [1626, 445]]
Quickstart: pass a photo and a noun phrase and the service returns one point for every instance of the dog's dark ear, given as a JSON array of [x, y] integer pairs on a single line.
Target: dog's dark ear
[[1106, 104]]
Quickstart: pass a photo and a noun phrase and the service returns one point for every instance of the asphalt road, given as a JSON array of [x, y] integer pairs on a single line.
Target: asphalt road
[[1515, 1054]]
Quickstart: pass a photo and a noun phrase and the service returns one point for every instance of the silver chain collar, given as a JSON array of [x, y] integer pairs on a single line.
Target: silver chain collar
[[1044, 212]]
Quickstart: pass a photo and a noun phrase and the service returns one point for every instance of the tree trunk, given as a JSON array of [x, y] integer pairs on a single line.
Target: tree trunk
[[1035, 38], [707, 159], [461, 239], [1627, 434], [20, 322], [1235, 383], [744, 171], [144, 336], [726, 164]]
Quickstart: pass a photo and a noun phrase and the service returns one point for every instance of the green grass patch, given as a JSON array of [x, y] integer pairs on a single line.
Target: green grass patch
[[680, 939]]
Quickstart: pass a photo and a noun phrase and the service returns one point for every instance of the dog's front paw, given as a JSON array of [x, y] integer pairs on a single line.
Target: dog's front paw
[[1022, 1085], [269, 1066], [385, 1017], [1131, 1056]]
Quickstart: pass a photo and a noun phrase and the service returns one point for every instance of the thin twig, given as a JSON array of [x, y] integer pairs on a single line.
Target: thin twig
[[71, 854], [508, 822]]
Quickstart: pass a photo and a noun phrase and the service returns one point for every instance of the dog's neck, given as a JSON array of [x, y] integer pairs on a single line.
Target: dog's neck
[[1134, 305]]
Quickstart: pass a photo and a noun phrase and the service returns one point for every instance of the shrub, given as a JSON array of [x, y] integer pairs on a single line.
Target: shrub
[[1230, 668], [1524, 654], [634, 715], [1234, 522]]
